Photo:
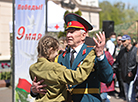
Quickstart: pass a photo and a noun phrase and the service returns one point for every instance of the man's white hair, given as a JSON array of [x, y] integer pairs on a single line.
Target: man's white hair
[[82, 31]]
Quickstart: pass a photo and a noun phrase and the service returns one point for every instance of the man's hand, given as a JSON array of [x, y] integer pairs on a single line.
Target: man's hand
[[100, 43], [37, 87]]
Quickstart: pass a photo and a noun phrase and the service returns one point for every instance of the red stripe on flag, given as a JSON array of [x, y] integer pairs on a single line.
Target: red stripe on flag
[[24, 84]]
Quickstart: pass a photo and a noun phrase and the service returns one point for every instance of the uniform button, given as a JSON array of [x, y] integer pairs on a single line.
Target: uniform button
[[70, 85]]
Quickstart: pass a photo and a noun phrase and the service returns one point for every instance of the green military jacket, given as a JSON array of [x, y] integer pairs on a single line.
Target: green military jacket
[[57, 76]]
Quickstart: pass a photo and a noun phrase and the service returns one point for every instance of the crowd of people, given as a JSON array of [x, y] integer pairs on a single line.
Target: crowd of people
[[125, 65], [87, 69]]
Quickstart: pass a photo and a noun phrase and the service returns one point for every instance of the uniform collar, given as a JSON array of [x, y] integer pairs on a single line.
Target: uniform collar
[[42, 59], [77, 49]]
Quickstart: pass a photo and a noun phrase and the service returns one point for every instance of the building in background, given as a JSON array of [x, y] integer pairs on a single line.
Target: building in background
[[5, 18], [89, 8]]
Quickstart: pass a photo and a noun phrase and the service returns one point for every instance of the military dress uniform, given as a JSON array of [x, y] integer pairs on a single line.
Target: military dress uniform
[[88, 91]]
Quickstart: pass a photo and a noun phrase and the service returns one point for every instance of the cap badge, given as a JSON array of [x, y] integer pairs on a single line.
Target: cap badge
[[70, 23]]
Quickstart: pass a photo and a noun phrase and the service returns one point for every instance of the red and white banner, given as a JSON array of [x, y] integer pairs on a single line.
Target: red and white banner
[[29, 28], [55, 17]]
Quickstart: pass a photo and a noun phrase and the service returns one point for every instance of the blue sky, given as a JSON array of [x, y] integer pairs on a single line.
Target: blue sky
[[131, 2]]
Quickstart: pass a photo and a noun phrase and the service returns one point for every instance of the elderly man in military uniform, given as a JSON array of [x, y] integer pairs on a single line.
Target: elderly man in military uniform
[[88, 91]]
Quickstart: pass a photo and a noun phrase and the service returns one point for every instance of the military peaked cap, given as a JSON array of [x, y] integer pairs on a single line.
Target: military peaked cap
[[75, 21]]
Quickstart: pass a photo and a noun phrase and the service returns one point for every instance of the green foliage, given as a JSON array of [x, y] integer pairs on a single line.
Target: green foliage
[[91, 34], [117, 13], [5, 75], [122, 28], [22, 95], [78, 12], [120, 6], [132, 15], [63, 34], [112, 12], [11, 53], [66, 13], [105, 13]]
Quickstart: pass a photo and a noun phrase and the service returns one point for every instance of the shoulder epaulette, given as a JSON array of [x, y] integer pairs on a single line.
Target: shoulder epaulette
[[90, 46], [56, 59]]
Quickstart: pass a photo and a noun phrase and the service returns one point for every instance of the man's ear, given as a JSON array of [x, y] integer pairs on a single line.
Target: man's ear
[[84, 35]]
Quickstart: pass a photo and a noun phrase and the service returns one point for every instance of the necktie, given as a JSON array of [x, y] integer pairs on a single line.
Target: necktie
[[72, 57]]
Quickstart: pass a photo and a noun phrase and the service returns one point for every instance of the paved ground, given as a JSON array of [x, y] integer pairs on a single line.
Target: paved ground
[[6, 95], [114, 97]]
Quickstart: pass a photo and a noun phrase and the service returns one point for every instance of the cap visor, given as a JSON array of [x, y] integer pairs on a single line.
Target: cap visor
[[72, 28], [125, 39]]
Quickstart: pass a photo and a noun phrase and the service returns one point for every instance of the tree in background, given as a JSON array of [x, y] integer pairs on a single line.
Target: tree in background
[[132, 15], [118, 12], [112, 12]]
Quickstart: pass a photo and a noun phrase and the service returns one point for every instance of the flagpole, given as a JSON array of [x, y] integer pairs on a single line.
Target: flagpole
[[137, 29], [46, 16], [13, 55]]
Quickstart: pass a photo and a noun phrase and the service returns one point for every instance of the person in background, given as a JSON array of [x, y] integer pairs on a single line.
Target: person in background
[[119, 82], [136, 77], [5, 83], [89, 40], [135, 44], [118, 46], [126, 61], [110, 46], [87, 91], [62, 45]]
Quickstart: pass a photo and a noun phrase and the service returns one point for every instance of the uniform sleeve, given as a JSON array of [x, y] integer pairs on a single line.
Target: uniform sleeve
[[32, 77], [31, 72], [68, 76], [104, 71]]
